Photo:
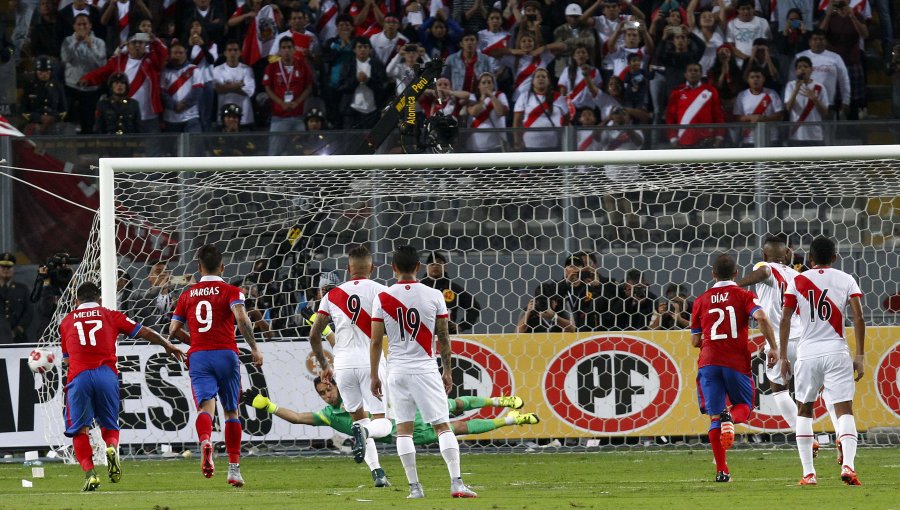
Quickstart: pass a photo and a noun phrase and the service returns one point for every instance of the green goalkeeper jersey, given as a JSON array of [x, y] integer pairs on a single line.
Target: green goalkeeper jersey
[[340, 420]]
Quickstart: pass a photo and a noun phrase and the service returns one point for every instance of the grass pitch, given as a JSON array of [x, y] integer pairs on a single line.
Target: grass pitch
[[762, 479]]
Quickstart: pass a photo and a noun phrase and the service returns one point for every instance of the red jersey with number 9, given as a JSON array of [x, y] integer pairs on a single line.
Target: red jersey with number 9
[[722, 316], [206, 308], [88, 336]]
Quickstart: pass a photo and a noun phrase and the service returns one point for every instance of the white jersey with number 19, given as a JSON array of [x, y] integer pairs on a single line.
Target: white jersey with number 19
[[820, 295], [409, 311], [770, 293], [349, 306]]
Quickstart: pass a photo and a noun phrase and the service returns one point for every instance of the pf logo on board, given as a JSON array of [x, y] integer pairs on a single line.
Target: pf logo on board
[[479, 372], [612, 384]]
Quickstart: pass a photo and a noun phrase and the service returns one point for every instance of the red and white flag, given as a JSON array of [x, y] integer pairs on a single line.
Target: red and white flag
[[7, 129], [255, 48]]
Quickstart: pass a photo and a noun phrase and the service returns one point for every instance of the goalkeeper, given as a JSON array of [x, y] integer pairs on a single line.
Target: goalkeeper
[[334, 415]]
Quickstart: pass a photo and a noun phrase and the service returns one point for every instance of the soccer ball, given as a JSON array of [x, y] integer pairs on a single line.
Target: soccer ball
[[41, 360]]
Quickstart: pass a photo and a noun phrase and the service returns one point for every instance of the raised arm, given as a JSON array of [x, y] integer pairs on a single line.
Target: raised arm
[[757, 275], [246, 329], [315, 342]]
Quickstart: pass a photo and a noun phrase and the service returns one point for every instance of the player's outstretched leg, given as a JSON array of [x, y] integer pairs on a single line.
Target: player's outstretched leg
[[459, 405], [113, 463], [480, 426]]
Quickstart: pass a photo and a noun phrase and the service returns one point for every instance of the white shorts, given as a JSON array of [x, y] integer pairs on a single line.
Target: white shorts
[[355, 385], [834, 371], [774, 373], [424, 392]]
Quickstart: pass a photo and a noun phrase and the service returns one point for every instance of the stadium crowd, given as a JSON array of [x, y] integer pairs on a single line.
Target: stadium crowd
[[146, 66]]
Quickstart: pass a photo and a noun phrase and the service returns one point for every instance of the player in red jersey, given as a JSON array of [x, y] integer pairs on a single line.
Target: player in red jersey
[[210, 309], [88, 337], [719, 323]]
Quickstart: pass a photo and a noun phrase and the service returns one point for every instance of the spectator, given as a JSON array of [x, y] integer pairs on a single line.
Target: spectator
[[16, 312], [757, 104], [466, 65], [545, 313], [288, 84], [587, 294], [807, 102], [580, 82], [307, 309], [470, 14], [621, 138], [487, 110], [329, 18], [82, 52], [65, 20], [604, 103], [305, 41], [709, 29], [493, 40], [761, 60], [525, 59], [203, 53], [234, 83], [211, 18], [257, 311], [589, 137], [725, 76], [674, 53], [117, 114], [337, 54], [532, 23], [120, 20], [402, 67], [231, 145], [540, 107], [672, 311], [363, 86], [24, 10], [846, 31], [668, 18], [155, 305], [439, 37], [43, 36], [805, 9], [168, 32], [463, 308], [635, 307], [611, 20], [45, 100], [636, 40], [142, 66], [828, 69], [744, 29], [575, 33], [388, 43], [181, 86], [443, 99], [368, 17], [636, 91], [694, 102], [790, 40], [124, 290], [242, 18]]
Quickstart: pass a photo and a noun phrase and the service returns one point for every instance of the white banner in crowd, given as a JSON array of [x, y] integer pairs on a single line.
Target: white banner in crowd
[[157, 404]]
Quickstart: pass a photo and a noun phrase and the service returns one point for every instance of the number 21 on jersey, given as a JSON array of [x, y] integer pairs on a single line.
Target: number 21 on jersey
[[732, 319]]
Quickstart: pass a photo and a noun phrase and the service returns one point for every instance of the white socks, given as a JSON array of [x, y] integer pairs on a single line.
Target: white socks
[[371, 456], [788, 407], [804, 444], [834, 419], [848, 436], [406, 449], [450, 451], [379, 427]]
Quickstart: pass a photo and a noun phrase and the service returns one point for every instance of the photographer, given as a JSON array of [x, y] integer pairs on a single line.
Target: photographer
[[52, 280], [544, 313], [15, 308], [673, 311], [634, 308]]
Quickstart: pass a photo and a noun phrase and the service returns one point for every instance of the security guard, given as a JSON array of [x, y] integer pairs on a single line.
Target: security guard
[[232, 145], [15, 307], [117, 114], [45, 99], [464, 310]]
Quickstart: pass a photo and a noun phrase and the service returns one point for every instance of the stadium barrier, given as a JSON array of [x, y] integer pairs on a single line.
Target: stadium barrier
[[581, 385]]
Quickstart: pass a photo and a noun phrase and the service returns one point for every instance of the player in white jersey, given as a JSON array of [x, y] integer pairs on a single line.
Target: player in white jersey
[[820, 295], [412, 314], [349, 306]]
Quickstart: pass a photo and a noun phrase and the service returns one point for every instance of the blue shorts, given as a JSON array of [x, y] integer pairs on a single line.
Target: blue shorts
[[92, 394], [215, 373], [714, 384]]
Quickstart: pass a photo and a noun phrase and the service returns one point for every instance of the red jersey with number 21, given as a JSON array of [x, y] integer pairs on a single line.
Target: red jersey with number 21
[[722, 316], [206, 307], [88, 336]]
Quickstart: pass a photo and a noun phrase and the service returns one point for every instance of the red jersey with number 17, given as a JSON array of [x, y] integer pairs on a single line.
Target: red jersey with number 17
[[88, 336], [722, 316], [206, 308]]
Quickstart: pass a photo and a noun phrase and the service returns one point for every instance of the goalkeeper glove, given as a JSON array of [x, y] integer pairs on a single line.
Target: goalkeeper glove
[[310, 317], [262, 402]]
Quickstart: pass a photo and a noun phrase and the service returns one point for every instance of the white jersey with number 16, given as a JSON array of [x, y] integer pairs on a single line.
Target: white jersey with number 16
[[820, 296], [409, 311]]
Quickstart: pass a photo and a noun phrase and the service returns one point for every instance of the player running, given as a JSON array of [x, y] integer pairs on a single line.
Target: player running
[[413, 314], [821, 295], [349, 306], [336, 417], [211, 308], [719, 324], [88, 337]]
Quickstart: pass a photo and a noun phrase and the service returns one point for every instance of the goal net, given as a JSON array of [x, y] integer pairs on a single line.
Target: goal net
[[614, 244]]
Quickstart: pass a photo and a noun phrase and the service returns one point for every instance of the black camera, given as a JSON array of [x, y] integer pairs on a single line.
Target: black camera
[[441, 132], [59, 268]]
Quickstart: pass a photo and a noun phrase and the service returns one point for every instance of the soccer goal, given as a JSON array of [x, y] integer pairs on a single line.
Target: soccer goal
[[642, 226]]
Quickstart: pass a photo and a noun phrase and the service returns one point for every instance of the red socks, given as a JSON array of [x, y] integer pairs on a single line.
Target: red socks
[[83, 451], [233, 440], [740, 413], [110, 437], [715, 435], [204, 426]]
